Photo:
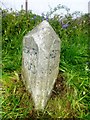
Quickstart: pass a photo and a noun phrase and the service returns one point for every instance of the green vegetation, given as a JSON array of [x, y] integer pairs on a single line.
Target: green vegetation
[[70, 97]]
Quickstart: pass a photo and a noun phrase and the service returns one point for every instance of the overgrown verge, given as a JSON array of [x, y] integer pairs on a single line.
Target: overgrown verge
[[70, 97]]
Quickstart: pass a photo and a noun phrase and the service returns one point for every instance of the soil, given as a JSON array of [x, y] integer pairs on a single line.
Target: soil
[[59, 86]]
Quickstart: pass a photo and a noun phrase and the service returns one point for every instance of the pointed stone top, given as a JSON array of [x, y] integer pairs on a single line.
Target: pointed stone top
[[44, 35]]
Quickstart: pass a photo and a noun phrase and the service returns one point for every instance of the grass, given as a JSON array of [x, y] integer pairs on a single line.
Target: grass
[[70, 96]]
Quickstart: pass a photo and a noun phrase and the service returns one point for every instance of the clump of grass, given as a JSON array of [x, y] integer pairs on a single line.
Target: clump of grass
[[16, 101]]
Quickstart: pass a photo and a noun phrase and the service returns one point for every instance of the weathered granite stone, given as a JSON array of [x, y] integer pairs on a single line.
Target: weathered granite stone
[[40, 62]]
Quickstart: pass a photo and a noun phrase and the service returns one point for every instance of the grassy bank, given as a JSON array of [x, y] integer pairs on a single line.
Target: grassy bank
[[70, 96]]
